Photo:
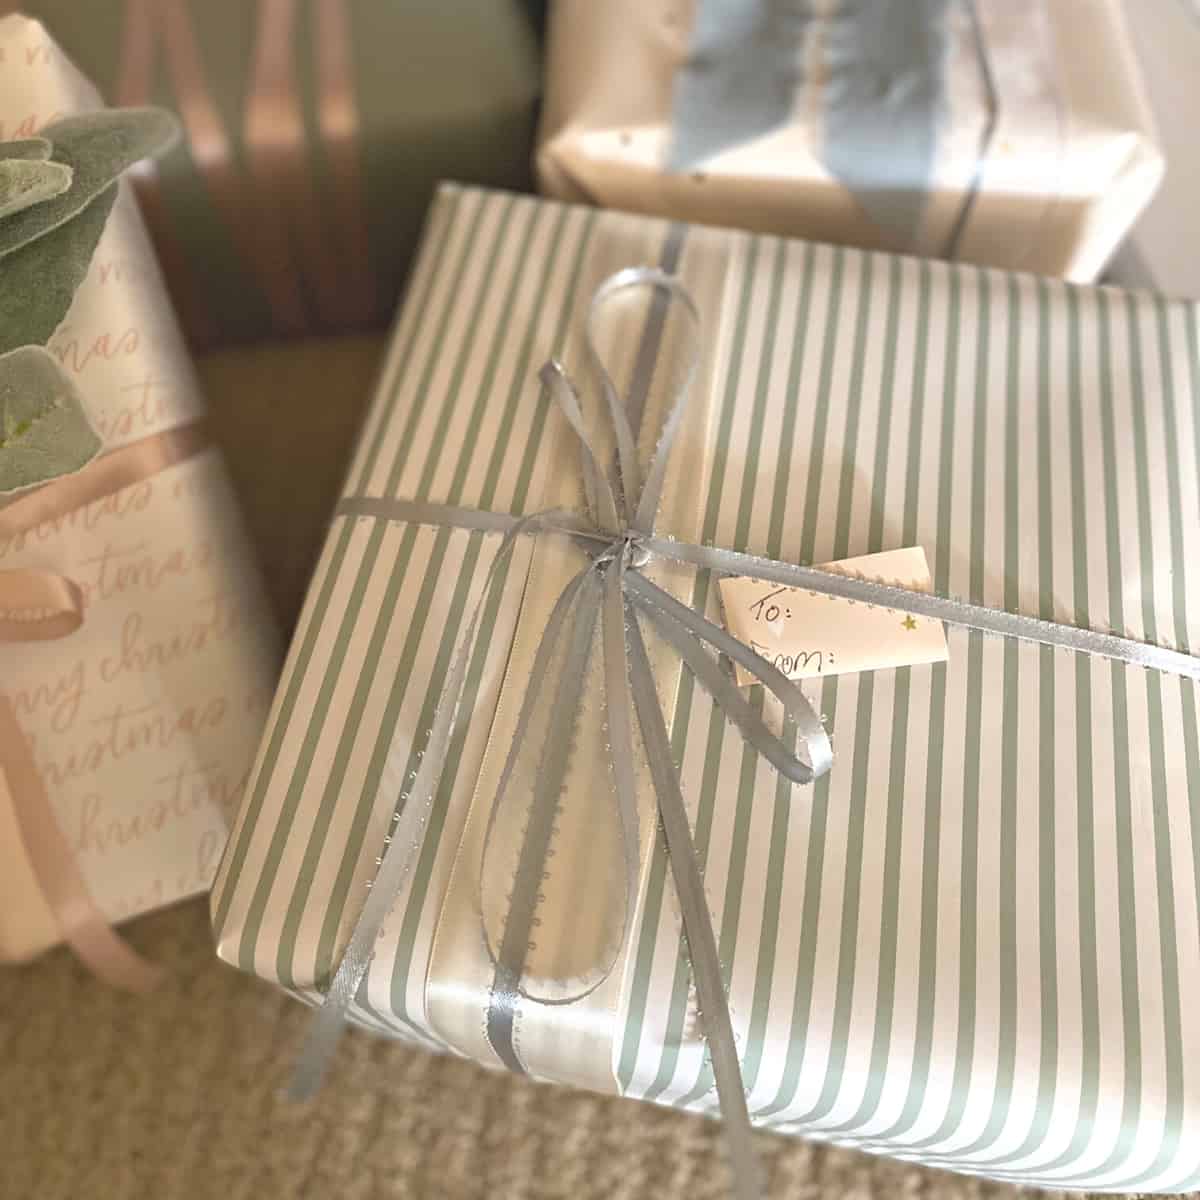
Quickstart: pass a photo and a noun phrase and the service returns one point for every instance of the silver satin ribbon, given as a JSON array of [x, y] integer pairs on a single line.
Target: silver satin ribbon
[[611, 595], [883, 80]]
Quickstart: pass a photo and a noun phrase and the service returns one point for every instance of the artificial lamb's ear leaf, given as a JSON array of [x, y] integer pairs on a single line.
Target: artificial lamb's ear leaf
[[25, 182], [44, 429], [98, 147], [38, 282], [36, 149]]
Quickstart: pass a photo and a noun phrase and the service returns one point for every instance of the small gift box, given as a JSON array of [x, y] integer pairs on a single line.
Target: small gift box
[[514, 801], [991, 133], [313, 135], [126, 737], [1162, 252]]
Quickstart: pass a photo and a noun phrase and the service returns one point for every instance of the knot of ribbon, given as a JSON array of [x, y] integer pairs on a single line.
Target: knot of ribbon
[[611, 601]]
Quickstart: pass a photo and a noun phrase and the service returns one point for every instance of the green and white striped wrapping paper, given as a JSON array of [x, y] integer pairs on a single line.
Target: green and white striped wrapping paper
[[971, 943]]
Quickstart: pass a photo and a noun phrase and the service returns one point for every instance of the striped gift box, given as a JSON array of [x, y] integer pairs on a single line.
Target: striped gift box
[[969, 943]]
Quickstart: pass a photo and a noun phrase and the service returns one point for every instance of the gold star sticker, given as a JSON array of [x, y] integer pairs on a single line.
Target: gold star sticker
[[909, 623]]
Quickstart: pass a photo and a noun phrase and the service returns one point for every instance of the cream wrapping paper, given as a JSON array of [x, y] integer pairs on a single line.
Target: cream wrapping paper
[[144, 721], [1162, 252], [1045, 151], [970, 944]]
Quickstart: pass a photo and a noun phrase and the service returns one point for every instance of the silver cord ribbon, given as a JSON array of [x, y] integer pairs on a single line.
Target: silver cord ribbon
[[611, 595]]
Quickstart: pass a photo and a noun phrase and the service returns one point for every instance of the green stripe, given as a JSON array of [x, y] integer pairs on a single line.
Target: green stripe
[[1085, 794], [740, 840], [1010, 775], [1006, 1068], [1191, 719], [787, 431], [1046, 797], [1130, 1124], [851, 892], [334, 787], [842, 528], [442, 220], [1188, 688], [931, 840], [1122, 774], [902, 682], [860, 754], [1192, 328], [1164, 867], [968, 955], [768, 940], [1127, 915], [318, 715], [815, 860], [677, 1012], [816, 462], [1167, 394]]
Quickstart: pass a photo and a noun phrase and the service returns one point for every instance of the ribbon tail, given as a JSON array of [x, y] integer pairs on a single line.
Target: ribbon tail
[[403, 846], [620, 725], [84, 927], [697, 926], [961, 613], [722, 689], [685, 629], [602, 504]]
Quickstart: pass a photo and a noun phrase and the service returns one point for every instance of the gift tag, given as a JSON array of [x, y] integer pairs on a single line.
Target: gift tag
[[807, 635]]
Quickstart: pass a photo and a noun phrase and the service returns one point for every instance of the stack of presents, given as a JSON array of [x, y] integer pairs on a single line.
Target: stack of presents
[[748, 656]]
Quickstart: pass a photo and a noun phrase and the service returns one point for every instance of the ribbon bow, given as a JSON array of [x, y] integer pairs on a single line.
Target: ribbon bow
[[610, 594]]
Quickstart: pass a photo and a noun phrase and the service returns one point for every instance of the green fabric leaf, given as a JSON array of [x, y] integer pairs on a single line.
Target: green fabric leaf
[[44, 429], [25, 182], [35, 149], [98, 146], [38, 282]]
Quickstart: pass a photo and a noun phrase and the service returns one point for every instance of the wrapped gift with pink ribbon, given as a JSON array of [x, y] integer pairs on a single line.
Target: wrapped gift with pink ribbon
[[138, 650], [314, 132]]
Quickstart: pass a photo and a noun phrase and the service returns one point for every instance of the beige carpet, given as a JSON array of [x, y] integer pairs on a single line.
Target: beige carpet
[[173, 1096]]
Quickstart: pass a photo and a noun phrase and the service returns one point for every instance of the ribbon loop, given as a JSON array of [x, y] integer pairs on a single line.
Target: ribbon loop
[[522, 824], [38, 606], [641, 497], [601, 502]]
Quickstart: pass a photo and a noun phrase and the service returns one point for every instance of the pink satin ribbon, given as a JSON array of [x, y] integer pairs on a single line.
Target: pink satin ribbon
[[269, 203], [38, 605]]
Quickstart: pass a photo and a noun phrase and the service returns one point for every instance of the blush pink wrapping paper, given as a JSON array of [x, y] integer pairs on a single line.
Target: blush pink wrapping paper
[[144, 721]]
